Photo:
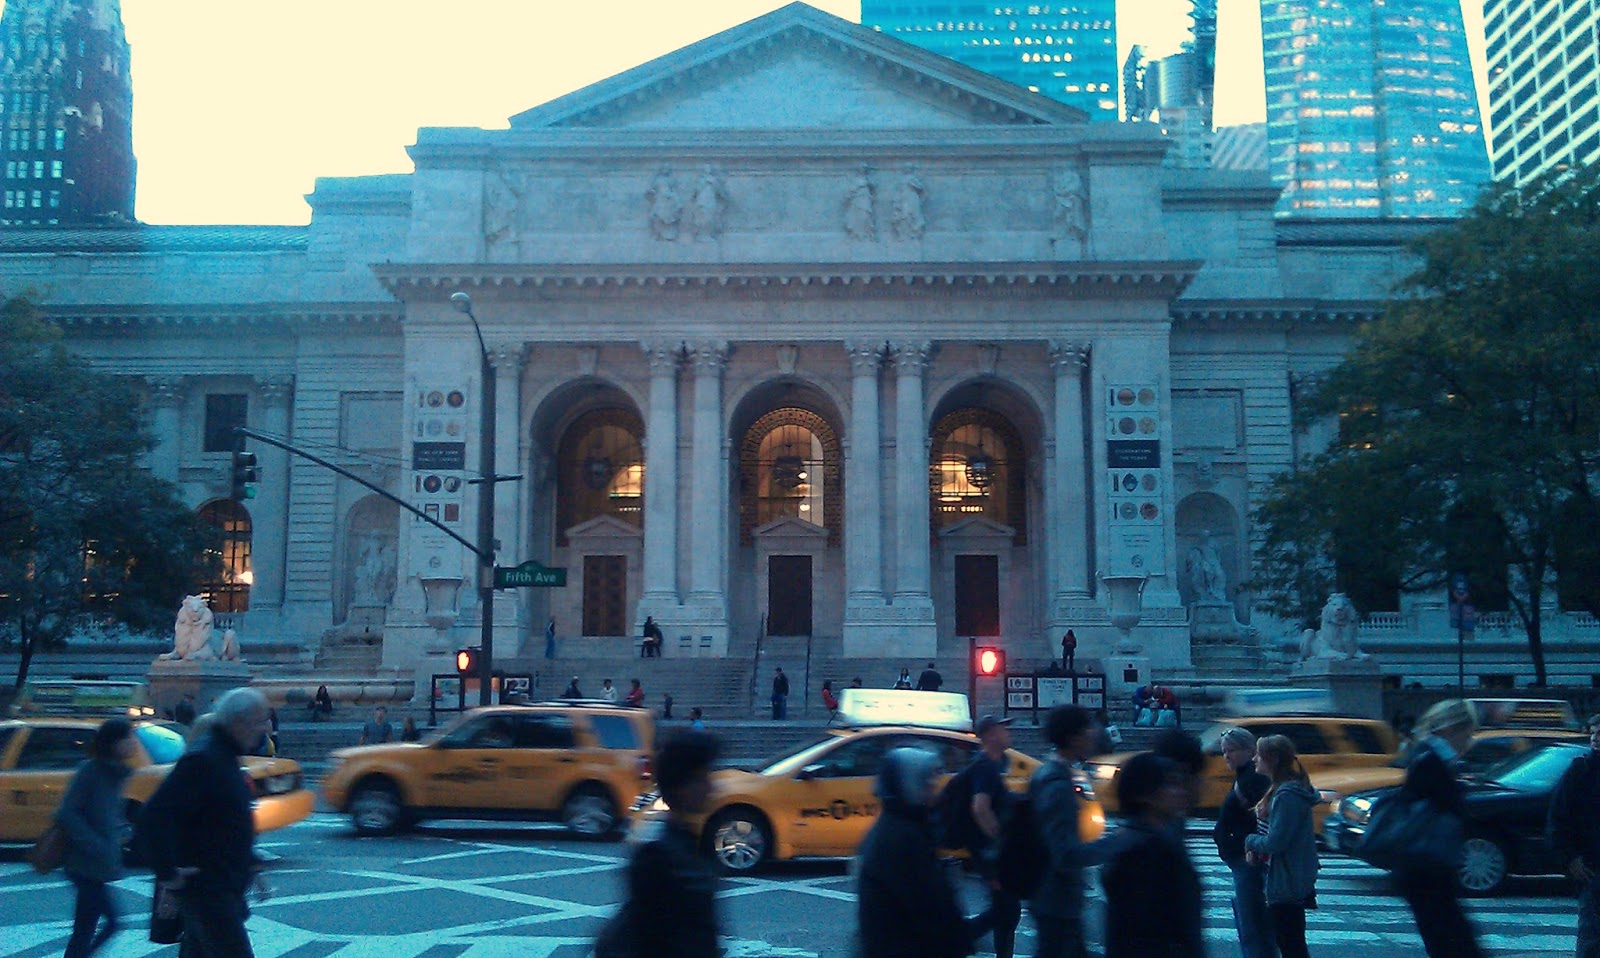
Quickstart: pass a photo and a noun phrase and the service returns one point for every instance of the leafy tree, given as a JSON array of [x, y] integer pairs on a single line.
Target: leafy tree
[[1470, 423], [85, 530]]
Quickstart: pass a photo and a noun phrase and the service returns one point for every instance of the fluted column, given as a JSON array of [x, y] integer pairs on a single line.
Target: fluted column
[[911, 474], [863, 482], [661, 479], [705, 564], [508, 360], [269, 514], [1070, 500], [166, 396]]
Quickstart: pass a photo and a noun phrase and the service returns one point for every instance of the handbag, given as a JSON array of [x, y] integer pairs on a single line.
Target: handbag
[[166, 924], [1410, 833], [50, 850]]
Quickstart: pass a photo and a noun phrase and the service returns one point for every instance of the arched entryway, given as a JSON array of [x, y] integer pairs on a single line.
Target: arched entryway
[[227, 587]]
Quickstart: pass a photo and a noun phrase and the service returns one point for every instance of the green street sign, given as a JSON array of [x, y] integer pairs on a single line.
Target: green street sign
[[529, 575]]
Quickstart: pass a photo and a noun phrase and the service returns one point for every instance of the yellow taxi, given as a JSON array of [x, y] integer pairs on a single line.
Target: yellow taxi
[[578, 762], [39, 753], [817, 801], [1324, 743]]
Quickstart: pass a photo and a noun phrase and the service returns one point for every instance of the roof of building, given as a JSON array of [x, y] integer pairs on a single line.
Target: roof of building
[[144, 238]]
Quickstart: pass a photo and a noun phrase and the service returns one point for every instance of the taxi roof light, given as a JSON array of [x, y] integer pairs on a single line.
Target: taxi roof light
[[867, 707]]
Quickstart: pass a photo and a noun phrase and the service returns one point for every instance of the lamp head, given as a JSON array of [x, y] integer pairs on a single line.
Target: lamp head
[[462, 302]]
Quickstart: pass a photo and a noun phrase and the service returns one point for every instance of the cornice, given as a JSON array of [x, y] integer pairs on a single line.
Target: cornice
[[225, 316], [1220, 314]]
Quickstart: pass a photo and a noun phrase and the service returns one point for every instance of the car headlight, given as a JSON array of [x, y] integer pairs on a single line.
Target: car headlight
[[1356, 809], [1327, 796], [280, 784], [1103, 773]]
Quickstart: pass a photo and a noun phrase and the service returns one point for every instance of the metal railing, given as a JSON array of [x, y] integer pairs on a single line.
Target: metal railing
[[755, 665]]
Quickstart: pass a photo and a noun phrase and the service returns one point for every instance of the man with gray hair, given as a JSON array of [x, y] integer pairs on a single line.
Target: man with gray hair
[[1236, 821], [198, 832]]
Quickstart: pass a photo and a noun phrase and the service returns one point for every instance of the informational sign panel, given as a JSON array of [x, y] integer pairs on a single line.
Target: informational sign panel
[[1090, 691], [1136, 497], [1055, 690], [440, 415], [1019, 693]]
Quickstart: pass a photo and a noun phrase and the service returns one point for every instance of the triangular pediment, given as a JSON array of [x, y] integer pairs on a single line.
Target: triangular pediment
[[977, 527], [799, 68], [604, 527], [790, 526]]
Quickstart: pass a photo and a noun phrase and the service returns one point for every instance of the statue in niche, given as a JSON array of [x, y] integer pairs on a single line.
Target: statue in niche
[[191, 633], [860, 211], [906, 217], [709, 202], [666, 206], [1206, 576], [375, 571], [502, 192], [1072, 207]]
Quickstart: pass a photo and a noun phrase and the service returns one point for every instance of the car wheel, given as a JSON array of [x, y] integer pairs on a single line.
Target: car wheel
[[590, 811], [1483, 865], [376, 809], [738, 840]]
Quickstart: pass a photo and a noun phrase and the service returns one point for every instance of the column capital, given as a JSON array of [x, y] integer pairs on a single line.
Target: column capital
[[664, 355], [166, 390], [865, 357], [911, 358], [508, 356], [709, 357], [274, 390], [1068, 356]]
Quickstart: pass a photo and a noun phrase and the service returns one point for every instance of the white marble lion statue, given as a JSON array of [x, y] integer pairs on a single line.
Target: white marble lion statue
[[191, 634], [1337, 637]]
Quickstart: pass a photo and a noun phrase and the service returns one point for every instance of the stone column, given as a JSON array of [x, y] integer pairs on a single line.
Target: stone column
[[661, 481], [911, 475], [166, 394], [863, 483], [1069, 500], [710, 359], [508, 360], [269, 514]]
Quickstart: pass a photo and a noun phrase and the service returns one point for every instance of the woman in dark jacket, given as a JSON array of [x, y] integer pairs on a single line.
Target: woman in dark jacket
[[1153, 896], [1430, 887], [92, 815], [905, 906]]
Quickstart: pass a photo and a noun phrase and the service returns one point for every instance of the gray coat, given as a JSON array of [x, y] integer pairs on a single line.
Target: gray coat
[[92, 815], [1290, 843], [1055, 814]]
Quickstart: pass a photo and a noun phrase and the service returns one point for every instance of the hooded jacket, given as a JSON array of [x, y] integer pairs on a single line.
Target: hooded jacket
[[92, 816], [905, 906], [1154, 901], [1290, 844]]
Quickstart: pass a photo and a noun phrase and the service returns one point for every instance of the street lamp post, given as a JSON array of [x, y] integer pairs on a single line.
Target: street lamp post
[[486, 481]]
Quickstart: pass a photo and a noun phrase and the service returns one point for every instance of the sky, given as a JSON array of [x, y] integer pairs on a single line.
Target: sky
[[238, 107]]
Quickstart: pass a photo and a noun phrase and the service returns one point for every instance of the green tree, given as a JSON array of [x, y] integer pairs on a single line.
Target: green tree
[[1470, 423], [85, 530]]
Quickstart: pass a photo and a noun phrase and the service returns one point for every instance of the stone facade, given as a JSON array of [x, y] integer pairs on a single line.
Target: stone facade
[[795, 328]]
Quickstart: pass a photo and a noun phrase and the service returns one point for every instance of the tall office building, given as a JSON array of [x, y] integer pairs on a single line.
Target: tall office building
[[1544, 93], [1371, 108], [1064, 50], [66, 113]]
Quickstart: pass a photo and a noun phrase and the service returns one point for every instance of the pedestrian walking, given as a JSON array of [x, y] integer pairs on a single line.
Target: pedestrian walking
[[829, 700], [184, 712], [635, 697], [1286, 842], [1236, 821], [1057, 904], [670, 910], [651, 639], [903, 681], [91, 814], [991, 806], [905, 905], [666, 705], [1574, 832], [197, 831], [1153, 896], [572, 690], [550, 639], [608, 692], [780, 696], [930, 680], [378, 731], [1428, 884]]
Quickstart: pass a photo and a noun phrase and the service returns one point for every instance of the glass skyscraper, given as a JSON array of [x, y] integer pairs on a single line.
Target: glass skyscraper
[[1544, 94], [1371, 108], [1064, 50]]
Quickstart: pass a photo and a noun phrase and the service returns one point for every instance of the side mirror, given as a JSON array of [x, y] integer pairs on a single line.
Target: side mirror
[[810, 772]]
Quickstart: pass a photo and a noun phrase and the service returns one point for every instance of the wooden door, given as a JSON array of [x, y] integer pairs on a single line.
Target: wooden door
[[977, 595], [788, 595], [605, 595]]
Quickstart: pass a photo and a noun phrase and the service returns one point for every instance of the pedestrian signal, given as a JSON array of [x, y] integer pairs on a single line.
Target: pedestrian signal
[[990, 661], [467, 661]]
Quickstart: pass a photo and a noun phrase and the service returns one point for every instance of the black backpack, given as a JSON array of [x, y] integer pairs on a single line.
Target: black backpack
[[1022, 859], [954, 827]]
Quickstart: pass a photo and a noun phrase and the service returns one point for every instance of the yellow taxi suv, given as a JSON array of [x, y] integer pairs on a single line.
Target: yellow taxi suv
[[817, 801], [577, 762], [39, 753]]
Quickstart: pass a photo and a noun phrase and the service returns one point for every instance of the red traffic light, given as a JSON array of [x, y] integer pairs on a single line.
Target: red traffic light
[[467, 661], [990, 661]]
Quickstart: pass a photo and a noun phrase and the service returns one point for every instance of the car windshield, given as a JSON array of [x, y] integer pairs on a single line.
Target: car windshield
[[799, 758], [1533, 771], [163, 744]]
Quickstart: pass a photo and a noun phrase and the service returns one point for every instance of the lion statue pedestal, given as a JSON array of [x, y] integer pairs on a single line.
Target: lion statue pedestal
[[1330, 658]]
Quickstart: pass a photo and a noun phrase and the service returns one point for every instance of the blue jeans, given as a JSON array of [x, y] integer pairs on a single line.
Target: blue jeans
[[1250, 911], [780, 707], [88, 933], [1589, 919]]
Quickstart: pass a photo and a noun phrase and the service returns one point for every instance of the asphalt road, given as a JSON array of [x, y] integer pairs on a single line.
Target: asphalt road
[[485, 891]]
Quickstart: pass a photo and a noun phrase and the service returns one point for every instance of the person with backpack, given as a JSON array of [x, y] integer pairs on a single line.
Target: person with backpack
[[1429, 885], [1236, 821], [1057, 899], [990, 807], [905, 906], [1287, 843], [91, 814]]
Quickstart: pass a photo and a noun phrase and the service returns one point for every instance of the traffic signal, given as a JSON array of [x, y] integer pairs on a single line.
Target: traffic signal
[[245, 476], [989, 660], [467, 662]]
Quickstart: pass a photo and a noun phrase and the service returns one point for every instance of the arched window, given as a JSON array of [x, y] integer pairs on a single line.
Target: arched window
[[229, 591], [600, 470], [789, 464], [977, 468]]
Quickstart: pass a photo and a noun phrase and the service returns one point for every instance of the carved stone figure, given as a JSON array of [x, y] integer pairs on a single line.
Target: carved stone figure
[[502, 192], [1337, 637], [230, 647], [192, 631], [666, 206], [860, 210], [375, 571], [1072, 207], [1206, 575], [709, 202], [906, 216]]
